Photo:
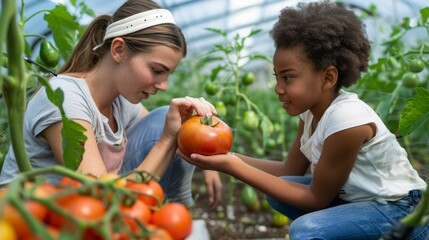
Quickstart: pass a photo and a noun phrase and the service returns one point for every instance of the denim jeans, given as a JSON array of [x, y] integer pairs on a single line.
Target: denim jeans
[[176, 181], [344, 221]]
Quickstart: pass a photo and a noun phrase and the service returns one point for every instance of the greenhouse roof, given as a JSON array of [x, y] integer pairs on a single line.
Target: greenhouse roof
[[233, 16]]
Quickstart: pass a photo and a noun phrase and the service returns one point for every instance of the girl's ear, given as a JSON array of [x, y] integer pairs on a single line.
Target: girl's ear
[[331, 77], [117, 49]]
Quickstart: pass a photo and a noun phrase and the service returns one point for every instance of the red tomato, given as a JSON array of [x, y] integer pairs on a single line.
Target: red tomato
[[12, 215], [139, 211], [80, 206], [202, 136], [67, 181], [175, 218], [151, 192], [158, 233]]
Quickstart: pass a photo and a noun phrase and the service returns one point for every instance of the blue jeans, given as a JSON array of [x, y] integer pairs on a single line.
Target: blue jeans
[[176, 181], [344, 221]]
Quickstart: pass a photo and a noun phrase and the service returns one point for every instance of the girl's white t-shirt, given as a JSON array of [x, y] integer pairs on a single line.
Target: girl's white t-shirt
[[382, 171]]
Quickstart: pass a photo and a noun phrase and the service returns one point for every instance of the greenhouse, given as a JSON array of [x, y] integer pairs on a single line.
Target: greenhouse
[[214, 119]]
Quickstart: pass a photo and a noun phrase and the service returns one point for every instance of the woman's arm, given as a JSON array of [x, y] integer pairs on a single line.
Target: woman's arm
[[91, 163]]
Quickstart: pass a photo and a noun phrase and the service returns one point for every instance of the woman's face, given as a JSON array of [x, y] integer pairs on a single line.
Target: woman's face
[[145, 73], [299, 85]]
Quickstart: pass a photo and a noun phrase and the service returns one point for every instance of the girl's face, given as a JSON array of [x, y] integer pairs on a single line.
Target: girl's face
[[299, 86], [144, 74]]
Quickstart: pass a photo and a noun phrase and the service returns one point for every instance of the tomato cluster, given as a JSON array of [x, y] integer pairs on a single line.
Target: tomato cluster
[[108, 207]]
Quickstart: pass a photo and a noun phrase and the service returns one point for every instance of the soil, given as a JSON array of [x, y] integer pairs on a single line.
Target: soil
[[245, 225]]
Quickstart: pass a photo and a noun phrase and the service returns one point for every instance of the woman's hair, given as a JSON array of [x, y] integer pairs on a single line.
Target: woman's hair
[[84, 58], [329, 34]]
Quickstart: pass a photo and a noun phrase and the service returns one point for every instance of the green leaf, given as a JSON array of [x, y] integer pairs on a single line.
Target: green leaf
[[425, 14], [218, 31], [415, 113], [64, 29], [73, 143], [215, 72]]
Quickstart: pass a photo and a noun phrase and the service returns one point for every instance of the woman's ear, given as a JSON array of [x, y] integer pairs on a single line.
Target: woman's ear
[[331, 77], [117, 49]]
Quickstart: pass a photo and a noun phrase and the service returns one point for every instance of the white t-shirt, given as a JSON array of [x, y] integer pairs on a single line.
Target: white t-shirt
[[78, 104], [382, 171]]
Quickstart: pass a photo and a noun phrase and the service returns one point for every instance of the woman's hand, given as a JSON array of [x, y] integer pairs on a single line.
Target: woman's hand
[[183, 108], [214, 187]]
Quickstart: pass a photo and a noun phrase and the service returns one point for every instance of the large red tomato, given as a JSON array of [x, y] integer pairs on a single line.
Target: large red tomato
[[150, 192], [204, 136], [175, 218]]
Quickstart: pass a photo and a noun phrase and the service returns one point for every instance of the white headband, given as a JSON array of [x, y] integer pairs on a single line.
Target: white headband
[[137, 22]]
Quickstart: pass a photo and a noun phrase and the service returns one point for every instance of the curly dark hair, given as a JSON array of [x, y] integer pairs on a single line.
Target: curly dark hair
[[330, 34]]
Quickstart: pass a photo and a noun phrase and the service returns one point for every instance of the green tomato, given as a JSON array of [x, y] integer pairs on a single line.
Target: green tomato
[[220, 108], [250, 120], [249, 198], [248, 78], [49, 54], [265, 205], [279, 220], [229, 99], [410, 80], [271, 143], [41, 62], [211, 88], [416, 65]]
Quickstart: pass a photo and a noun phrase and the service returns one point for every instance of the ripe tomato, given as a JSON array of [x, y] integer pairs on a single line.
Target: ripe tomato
[[139, 211], [80, 206], [158, 233], [150, 192], [7, 232], [17, 221], [204, 136], [67, 181], [175, 218]]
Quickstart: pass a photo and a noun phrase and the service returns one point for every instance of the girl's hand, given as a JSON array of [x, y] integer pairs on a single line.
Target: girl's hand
[[220, 163], [183, 108]]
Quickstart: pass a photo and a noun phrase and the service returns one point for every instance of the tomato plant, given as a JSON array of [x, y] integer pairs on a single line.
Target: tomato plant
[[149, 192], [206, 135], [175, 218]]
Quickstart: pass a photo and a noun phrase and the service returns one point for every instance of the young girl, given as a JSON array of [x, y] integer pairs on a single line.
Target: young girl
[[120, 61], [362, 182]]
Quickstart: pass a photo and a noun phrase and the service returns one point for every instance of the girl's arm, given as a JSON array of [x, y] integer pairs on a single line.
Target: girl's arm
[[336, 162]]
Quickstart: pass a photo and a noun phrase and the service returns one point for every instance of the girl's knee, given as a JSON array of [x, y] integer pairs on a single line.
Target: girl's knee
[[305, 228]]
